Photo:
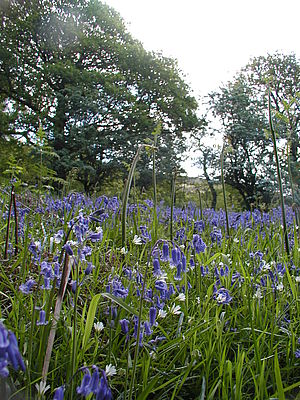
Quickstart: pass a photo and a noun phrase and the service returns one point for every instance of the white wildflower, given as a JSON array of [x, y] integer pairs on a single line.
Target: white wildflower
[[98, 326], [258, 294], [51, 244], [72, 243], [124, 250], [110, 370], [181, 297], [137, 240], [42, 387], [162, 313], [297, 278], [175, 309], [280, 287]]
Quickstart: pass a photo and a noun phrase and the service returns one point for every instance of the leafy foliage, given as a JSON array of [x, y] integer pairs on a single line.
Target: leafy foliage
[[241, 106], [97, 92]]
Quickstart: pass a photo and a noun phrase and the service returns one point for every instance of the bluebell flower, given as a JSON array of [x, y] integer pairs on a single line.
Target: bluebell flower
[[96, 236], [104, 391], [204, 271], [152, 315], [3, 368], [177, 277], [198, 244], [199, 226], [47, 284], [156, 267], [84, 388], [68, 249], [297, 353], [148, 330], [59, 393], [216, 235], [118, 289], [176, 255], [46, 270], [165, 252], [161, 285], [124, 325], [13, 355], [89, 268], [183, 262], [145, 235], [42, 318], [222, 296], [171, 290], [27, 286], [94, 383]]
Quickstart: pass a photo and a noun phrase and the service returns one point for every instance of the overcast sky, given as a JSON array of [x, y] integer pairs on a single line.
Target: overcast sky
[[213, 39]]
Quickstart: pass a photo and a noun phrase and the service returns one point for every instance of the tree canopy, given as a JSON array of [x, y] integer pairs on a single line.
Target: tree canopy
[[73, 67], [242, 109]]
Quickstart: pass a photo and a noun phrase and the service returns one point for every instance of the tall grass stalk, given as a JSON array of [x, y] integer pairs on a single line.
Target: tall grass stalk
[[273, 135], [56, 315], [127, 191], [155, 220], [200, 203], [224, 190], [8, 222], [173, 194], [292, 185]]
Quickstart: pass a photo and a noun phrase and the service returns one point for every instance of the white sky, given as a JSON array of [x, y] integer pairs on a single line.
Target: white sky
[[212, 39]]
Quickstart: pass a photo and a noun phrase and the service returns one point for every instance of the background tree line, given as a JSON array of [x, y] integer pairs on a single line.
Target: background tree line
[[241, 109], [78, 94]]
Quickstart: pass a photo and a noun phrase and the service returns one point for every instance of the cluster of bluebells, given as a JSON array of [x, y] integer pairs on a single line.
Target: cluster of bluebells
[[95, 383], [9, 352], [222, 296], [146, 328]]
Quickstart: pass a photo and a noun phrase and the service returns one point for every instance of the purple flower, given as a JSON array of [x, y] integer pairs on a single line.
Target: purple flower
[[42, 318], [9, 351], [297, 353], [84, 388], [89, 268], [117, 288], [59, 393], [148, 330], [96, 236], [175, 256], [152, 315], [124, 325], [103, 392], [47, 284], [165, 252], [156, 267], [27, 286], [145, 235], [216, 235], [177, 277], [3, 368], [198, 244], [161, 285], [68, 249], [95, 380], [222, 296]]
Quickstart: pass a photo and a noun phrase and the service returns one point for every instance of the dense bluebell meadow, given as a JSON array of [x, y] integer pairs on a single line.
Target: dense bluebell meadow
[[200, 315]]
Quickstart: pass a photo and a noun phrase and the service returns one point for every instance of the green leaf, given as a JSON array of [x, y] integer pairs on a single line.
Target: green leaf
[[280, 391]]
